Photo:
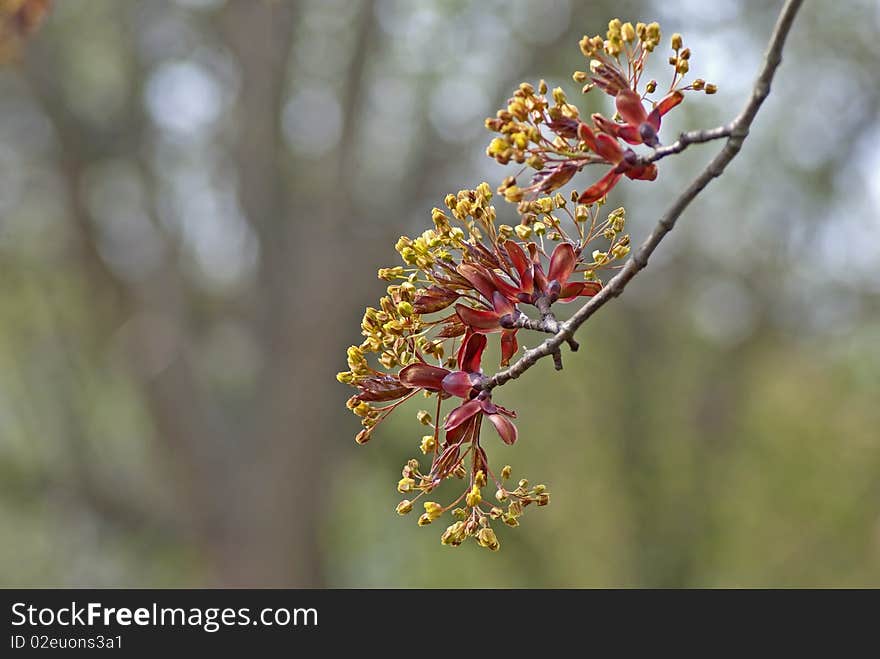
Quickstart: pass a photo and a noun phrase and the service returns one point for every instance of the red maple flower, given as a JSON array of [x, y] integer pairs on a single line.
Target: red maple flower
[[464, 383], [526, 283], [641, 127], [623, 161]]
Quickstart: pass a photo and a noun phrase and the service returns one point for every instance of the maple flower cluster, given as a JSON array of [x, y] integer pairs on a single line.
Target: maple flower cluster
[[461, 282], [470, 278], [549, 136]]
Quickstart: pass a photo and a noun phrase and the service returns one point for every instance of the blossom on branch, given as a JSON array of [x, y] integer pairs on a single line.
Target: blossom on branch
[[552, 139], [471, 278]]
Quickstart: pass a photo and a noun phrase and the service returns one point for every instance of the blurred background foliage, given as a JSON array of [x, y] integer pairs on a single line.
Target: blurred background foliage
[[194, 196]]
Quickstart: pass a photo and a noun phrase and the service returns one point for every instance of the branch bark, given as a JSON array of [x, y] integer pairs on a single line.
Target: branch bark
[[736, 132]]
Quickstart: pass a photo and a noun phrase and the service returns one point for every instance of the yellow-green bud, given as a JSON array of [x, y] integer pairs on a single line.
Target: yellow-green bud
[[433, 510], [486, 538], [428, 444], [473, 497], [523, 232], [619, 251], [404, 507], [513, 193], [586, 46], [454, 535]]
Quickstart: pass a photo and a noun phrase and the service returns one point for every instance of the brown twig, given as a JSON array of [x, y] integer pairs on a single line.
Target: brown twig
[[735, 132], [686, 139]]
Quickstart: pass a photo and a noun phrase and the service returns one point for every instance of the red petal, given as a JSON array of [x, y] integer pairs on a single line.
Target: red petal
[[451, 328], [517, 257], [585, 134], [522, 264], [600, 188], [448, 459], [458, 383], [564, 127], [537, 270], [423, 376], [505, 427], [502, 305], [645, 173], [609, 148], [461, 414], [471, 353], [554, 178], [505, 288], [629, 105], [434, 299], [479, 278], [457, 435], [509, 346], [477, 319], [605, 125], [376, 388], [630, 134], [579, 289], [562, 262], [667, 103]]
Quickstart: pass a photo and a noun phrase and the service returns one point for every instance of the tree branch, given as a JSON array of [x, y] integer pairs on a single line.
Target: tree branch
[[685, 140], [736, 133]]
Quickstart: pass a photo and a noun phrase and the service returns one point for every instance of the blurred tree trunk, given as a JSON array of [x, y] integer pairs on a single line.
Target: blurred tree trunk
[[249, 480], [273, 540]]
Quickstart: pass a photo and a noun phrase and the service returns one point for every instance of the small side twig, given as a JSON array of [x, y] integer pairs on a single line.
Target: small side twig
[[548, 324], [685, 140]]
